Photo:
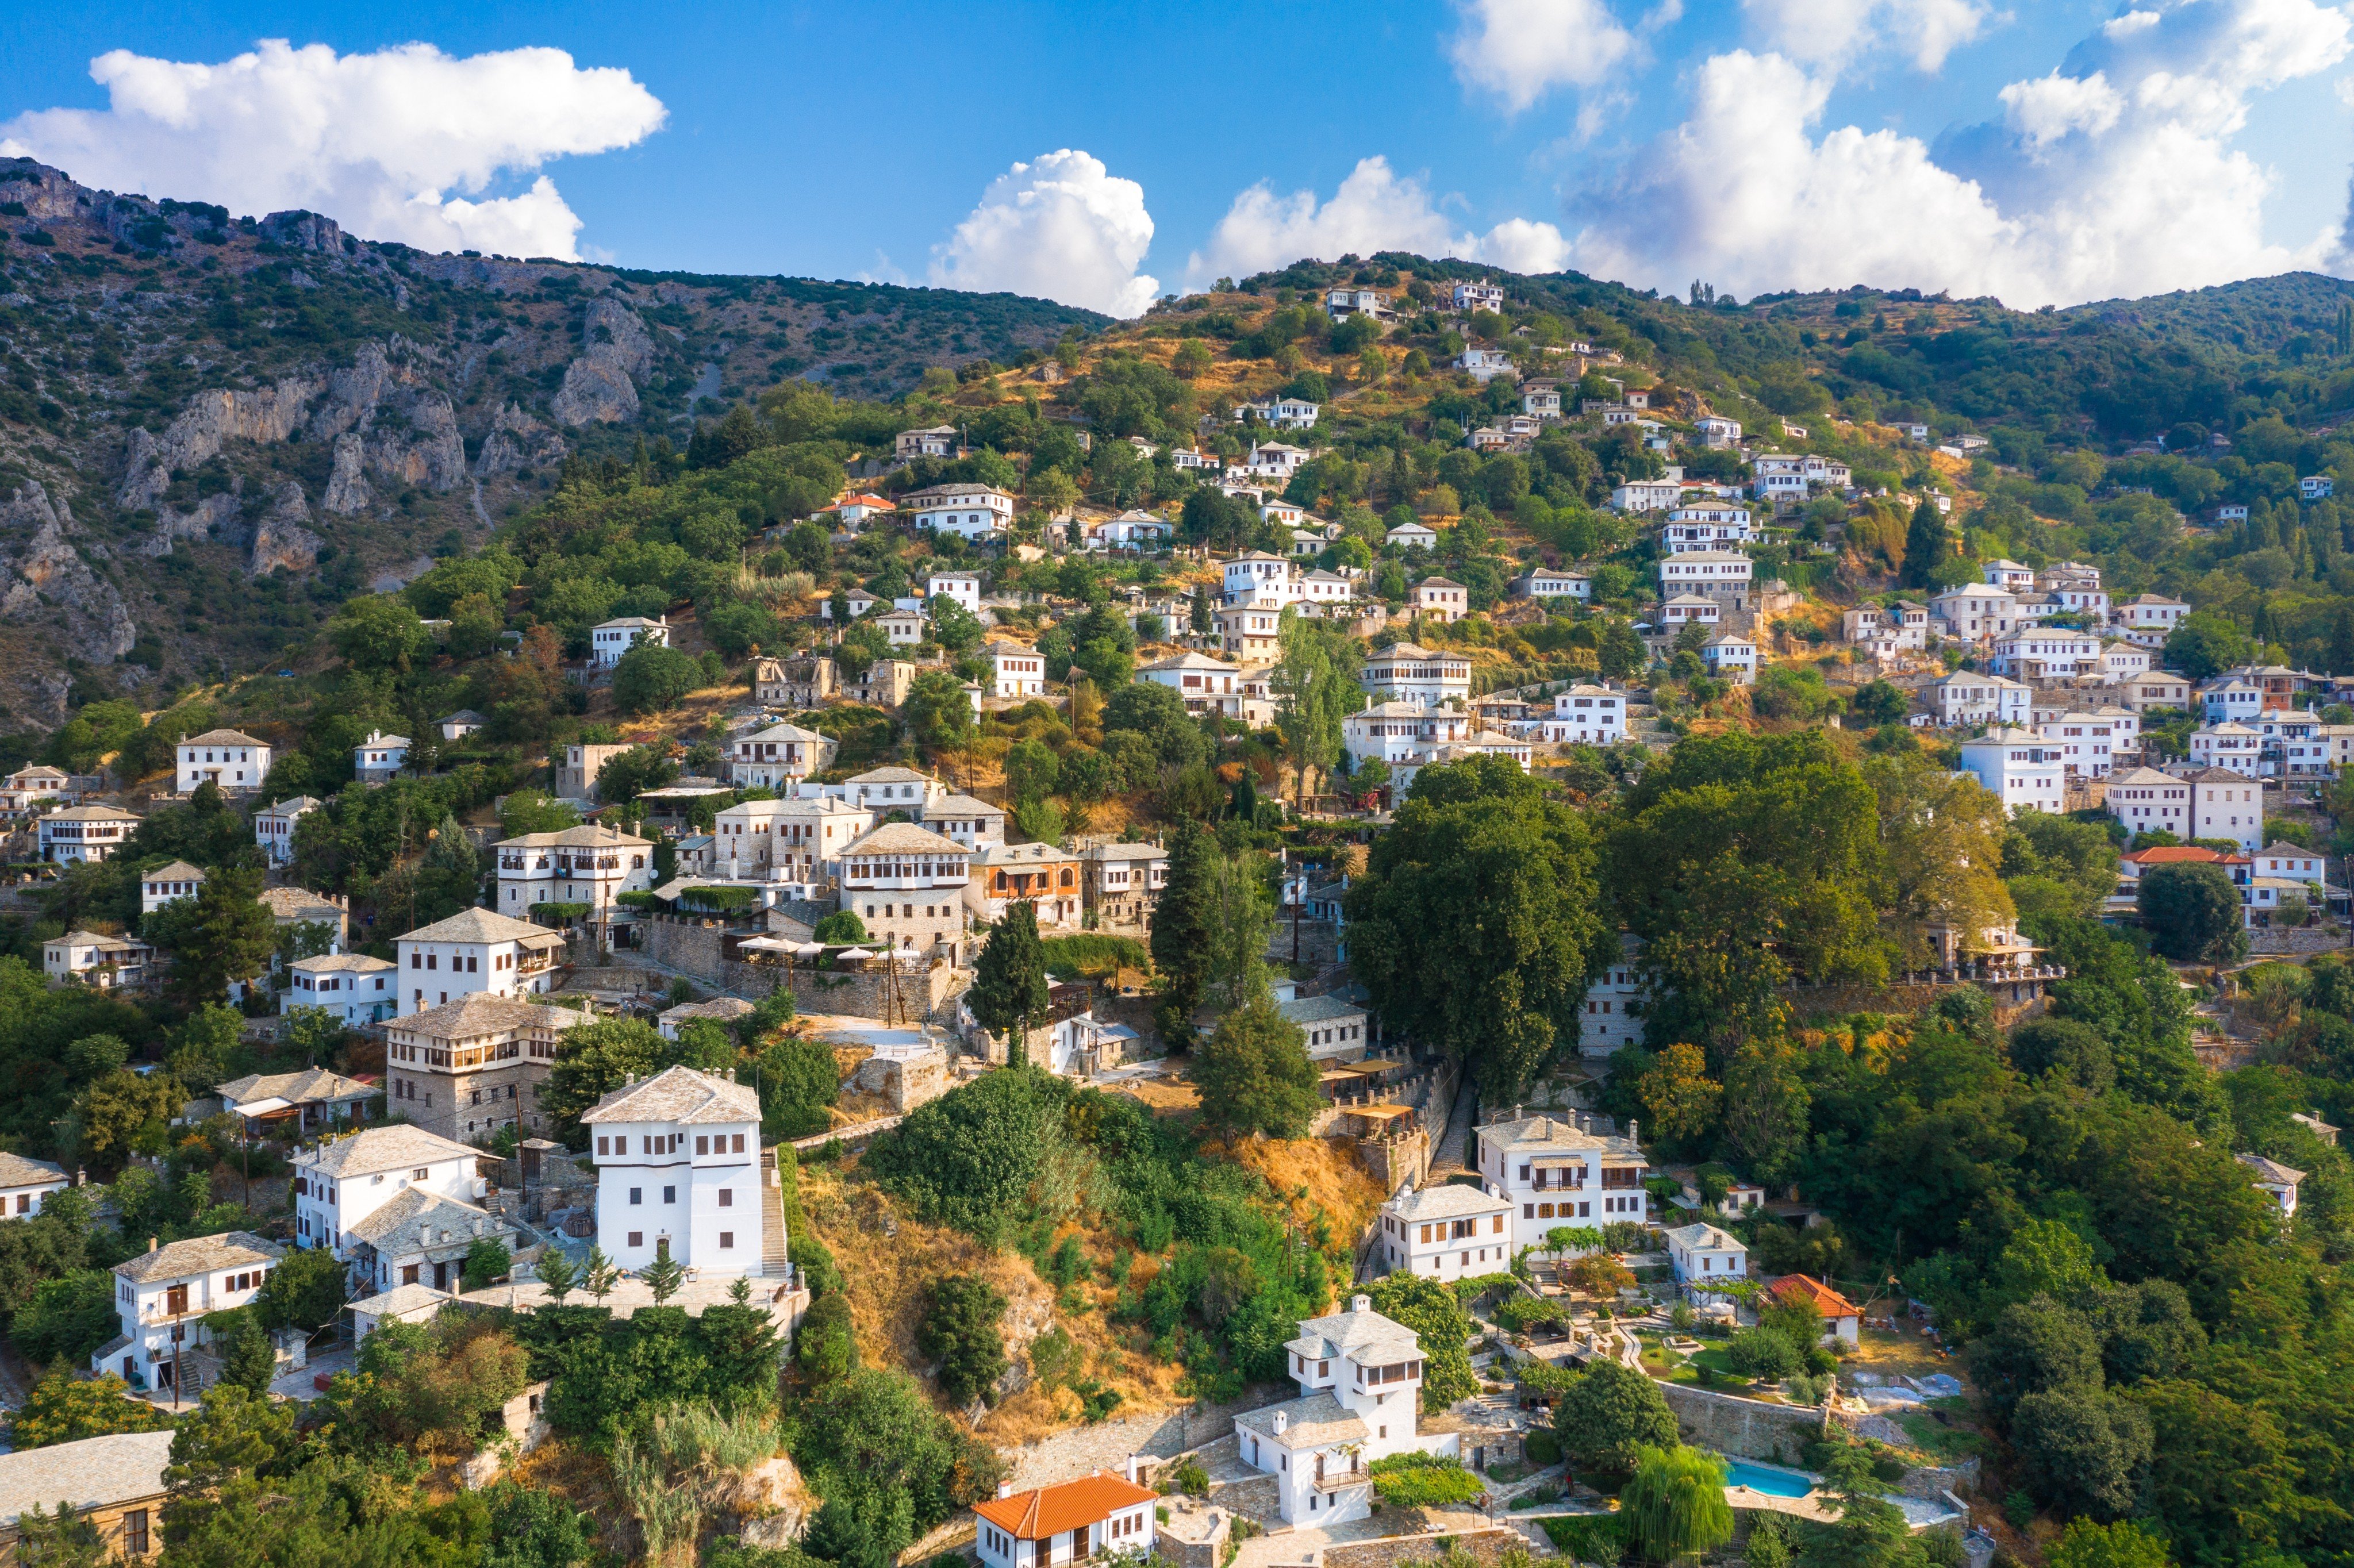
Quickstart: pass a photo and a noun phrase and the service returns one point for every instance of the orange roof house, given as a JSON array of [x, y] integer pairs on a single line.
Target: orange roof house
[[1842, 1319], [1101, 1511]]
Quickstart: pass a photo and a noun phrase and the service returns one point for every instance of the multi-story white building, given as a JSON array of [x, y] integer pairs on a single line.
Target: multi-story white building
[[355, 988], [2152, 612], [80, 833], [2226, 805], [1608, 1021], [2088, 742], [107, 962], [1975, 614], [1969, 697], [1588, 716], [2045, 653], [779, 758], [610, 640], [1689, 610], [1447, 1233], [162, 1296], [168, 885], [1441, 598], [678, 1173], [1207, 684], [591, 865], [2148, 801], [1706, 1260], [2017, 769], [1256, 574], [1731, 656], [1397, 733], [1406, 672], [27, 788], [1251, 630], [1562, 1170], [961, 588], [1469, 297], [797, 841], [1699, 522], [274, 829], [890, 789], [1360, 1377], [2231, 697], [969, 511], [227, 759], [2228, 745], [2158, 689], [1015, 671], [968, 822], [907, 884], [339, 1181], [468, 1069], [1548, 582], [474, 950], [1124, 884], [1720, 574], [26, 1184]]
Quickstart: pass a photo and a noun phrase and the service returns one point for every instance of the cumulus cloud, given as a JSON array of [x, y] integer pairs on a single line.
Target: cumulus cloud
[[1375, 208], [399, 144], [1063, 228], [2112, 176], [1833, 33], [1521, 50]]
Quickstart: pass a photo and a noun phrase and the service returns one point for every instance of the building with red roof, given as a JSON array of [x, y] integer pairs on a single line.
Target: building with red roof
[[1842, 1319], [1047, 1526]]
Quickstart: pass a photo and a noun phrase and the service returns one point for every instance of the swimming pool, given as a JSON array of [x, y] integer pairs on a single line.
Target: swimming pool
[[1773, 1483]]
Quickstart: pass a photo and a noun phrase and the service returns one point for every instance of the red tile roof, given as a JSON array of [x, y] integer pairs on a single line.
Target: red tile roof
[[2172, 854], [1806, 1287], [1053, 1510]]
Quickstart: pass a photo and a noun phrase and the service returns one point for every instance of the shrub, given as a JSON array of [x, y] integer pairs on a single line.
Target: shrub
[[959, 1330], [1543, 1448], [1422, 1480], [1761, 1354]]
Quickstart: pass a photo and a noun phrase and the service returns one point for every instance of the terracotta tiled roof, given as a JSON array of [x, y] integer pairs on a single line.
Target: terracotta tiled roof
[[1806, 1287], [2173, 855], [1054, 1510]]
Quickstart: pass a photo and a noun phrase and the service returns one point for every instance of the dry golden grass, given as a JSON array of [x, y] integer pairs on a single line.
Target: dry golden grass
[[1315, 1177]]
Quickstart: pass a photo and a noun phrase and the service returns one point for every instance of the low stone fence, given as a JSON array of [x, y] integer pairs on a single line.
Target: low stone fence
[[2297, 940], [1748, 1427], [1932, 1483], [700, 952]]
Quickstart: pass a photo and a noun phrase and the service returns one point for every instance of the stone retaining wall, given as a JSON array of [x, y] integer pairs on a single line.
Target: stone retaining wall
[[699, 952], [1932, 1484], [1750, 1428], [2301, 940]]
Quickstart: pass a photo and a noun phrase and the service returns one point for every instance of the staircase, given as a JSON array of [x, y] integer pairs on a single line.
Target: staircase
[[774, 1263]]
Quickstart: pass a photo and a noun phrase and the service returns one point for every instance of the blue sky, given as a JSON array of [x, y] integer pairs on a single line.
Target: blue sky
[[1768, 144]]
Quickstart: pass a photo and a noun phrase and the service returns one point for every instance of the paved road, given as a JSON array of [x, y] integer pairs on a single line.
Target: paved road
[[1447, 1158]]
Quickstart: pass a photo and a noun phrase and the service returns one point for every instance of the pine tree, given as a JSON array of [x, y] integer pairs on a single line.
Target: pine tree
[[664, 1275], [557, 1273], [1925, 545], [1181, 930], [1009, 983]]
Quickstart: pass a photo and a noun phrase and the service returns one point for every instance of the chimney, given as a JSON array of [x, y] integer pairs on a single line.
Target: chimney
[[1134, 1470], [1004, 1489], [1282, 1421], [1630, 1130], [1360, 1303], [151, 1243]]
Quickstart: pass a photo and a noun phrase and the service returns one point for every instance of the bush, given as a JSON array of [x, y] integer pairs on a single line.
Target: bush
[[959, 1330], [1764, 1355], [1543, 1448], [1422, 1480]]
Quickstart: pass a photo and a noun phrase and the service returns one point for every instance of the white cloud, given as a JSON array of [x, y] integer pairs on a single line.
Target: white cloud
[[1832, 33], [1062, 227], [1521, 50], [2112, 176], [397, 145], [1375, 208]]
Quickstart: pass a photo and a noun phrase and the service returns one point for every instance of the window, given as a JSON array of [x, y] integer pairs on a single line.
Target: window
[[727, 1241], [134, 1532], [726, 1197], [637, 1238], [670, 1194], [737, 1144], [637, 1195]]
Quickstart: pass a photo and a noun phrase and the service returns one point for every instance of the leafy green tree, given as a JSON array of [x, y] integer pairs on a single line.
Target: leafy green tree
[[122, 1113], [534, 1528], [1764, 1355], [826, 1347], [1479, 920], [1009, 994], [595, 1059], [1431, 1310], [1315, 685], [1877, 703], [487, 1262], [968, 1159], [2192, 912], [959, 1331], [843, 926], [1031, 769], [2125, 1544], [1870, 1532], [378, 635], [2082, 1450], [1608, 1414], [624, 778], [1254, 1072], [1926, 546], [1181, 928], [1764, 1111], [2205, 643], [67, 1318], [224, 934], [558, 1274], [2074, 1052], [1674, 1503], [664, 1275], [797, 1080], [2035, 1346], [305, 1291], [63, 1408], [651, 678], [937, 712]]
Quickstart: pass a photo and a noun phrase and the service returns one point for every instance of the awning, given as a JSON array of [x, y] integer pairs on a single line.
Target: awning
[[262, 1107]]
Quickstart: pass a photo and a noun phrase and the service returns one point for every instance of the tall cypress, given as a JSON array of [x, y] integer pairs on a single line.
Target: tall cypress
[[1009, 981], [1181, 930], [1925, 545]]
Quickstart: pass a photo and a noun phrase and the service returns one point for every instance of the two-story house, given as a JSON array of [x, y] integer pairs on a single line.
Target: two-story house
[[379, 757], [2225, 804], [354, 988], [1968, 696], [586, 868], [968, 510], [799, 841], [339, 1181], [168, 885], [1124, 884], [907, 884], [229, 760], [420, 1237], [805, 681], [274, 829], [162, 1296], [1563, 1170], [1608, 1021], [1100, 1515], [678, 1173], [970, 821], [1360, 1377], [1720, 574], [26, 1184], [1448, 1231], [2149, 801], [2017, 768], [1333, 1029], [1586, 715], [94, 959], [1706, 1260], [779, 758], [474, 950], [883, 791], [85, 834], [1441, 599], [609, 641], [469, 1068], [2228, 745], [1054, 880], [1015, 671], [1408, 673], [1251, 630]]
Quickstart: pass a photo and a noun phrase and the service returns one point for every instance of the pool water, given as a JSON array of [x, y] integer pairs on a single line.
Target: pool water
[[1773, 1483]]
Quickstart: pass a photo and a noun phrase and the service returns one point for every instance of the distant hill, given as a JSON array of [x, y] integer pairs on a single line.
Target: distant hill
[[213, 428]]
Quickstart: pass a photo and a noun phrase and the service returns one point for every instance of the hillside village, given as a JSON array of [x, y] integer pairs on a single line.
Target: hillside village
[[986, 993]]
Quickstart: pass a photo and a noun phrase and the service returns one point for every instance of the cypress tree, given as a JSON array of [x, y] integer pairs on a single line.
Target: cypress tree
[[1009, 982], [2341, 643], [1181, 930], [1925, 545]]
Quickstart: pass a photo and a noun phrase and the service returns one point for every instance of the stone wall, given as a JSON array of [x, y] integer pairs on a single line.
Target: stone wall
[[2302, 941], [700, 952], [906, 1084], [1750, 1428], [1931, 1484]]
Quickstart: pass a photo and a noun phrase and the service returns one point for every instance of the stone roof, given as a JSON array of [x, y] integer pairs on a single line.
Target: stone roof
[[178, 871], [960, 806], [891, 775], [401, 1300], [91, 814], [1362, 1334], [483, 1014], [1315, 1422], [299, 904], [1318, 1010], [678, 1095], [717, 1007], [1540, 1134], [200, 1254], [1447, 1200], [371, 1149], [223, 738], [588, 835], [414, 1220], [96, 1472], [484, 926], [309, 1086], [16, 1170], [292, 806], [902, 837], [1126, 851], [2271, 1169], [1706, 1238]]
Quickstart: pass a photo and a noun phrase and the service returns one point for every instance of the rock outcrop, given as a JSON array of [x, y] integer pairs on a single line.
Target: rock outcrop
[[210, 420], [347, 491], [210, 516], [616, 353], [283, 541], [40, 569], [516, 441], [767, 1505]]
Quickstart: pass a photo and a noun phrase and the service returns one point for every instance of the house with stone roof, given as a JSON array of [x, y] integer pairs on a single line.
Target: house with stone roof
[[679, 1174], [474, 950], [229, 760], [1451, 1231], [163, 1296], [339, 1181], [1563, 1170], [420, 1238], [1360, 1377], [2277, 1180], [25, 1184], [313, 1094], [113, 1485], [168, 884], [1706, 1257], [474, 1065]]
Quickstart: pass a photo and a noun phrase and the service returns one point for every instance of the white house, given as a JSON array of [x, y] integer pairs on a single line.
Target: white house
[[229, 760], [2088, 743], [474, 950], [2231, 697], [1705, 523], [1207, 684], [1448, 1231], [2228, 745], [1413, 536], [609, 640], [1648, 494], [1714, 572], [339, 1181], [931, 441], [2158, 689], [1335, 1029], [778, 757], [1705, 1258], [107, 962], [1394, 733], [1318, 1447], [1589, 715], [1689, 608], [591, 864], [2146, 801], [2226, 805], [1484, 365], [1717, 431], [1561, 1169], [460, 725], [2017, 769], [1099, 1517], [1441, 598], [1550, 583], [2277, 1180], [968, 822], [678, 1172], [379, 757], [1015, 671], [1406, 672], [1468, 296], [421, 1239], [1969, 697], [25, 1184], [963, 587], [80, 833], [1731, 656], [2047, 653], [969, 511], [1256, 574], [1975, 614], [1607, 1023], [168, 885], [162, 1296], [1282, 413], [2315, 487], [2151, 611], [356, 988], [2007, 573], [796, 840], [907, 884]]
